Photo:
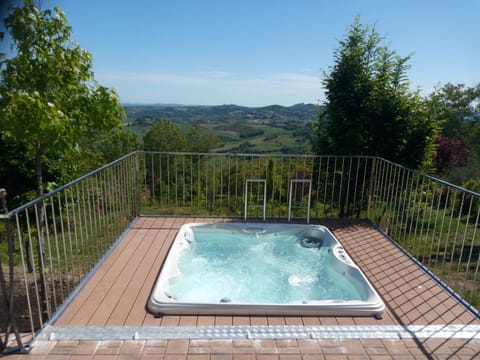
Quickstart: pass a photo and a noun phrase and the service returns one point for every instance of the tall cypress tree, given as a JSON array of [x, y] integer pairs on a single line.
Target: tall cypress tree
[[369, 107]]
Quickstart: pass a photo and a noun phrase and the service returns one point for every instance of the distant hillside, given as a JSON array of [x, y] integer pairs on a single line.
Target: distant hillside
[[222, 113], [272, 129]]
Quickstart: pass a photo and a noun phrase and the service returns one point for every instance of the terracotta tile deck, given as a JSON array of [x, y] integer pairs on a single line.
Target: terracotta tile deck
[[118, 292]]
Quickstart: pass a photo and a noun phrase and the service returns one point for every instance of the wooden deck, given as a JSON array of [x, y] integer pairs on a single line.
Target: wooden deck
[[118, 292]]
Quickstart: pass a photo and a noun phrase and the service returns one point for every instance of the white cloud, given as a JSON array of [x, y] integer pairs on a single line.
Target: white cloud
[[214, 87], [216, 74]]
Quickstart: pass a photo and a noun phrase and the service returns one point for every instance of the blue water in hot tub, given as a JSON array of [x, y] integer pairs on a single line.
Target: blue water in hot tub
[[260, 267]]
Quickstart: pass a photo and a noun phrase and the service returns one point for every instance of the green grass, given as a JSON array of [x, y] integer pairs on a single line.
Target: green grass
[[273, 140]]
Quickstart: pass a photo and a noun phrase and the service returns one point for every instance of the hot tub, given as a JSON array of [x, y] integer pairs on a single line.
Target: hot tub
[[261, 269]]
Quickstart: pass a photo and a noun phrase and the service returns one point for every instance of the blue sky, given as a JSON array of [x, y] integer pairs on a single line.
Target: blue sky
[[262, 52]]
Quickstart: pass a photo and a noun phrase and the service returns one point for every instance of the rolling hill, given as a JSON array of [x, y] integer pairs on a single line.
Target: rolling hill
[[272, 129]]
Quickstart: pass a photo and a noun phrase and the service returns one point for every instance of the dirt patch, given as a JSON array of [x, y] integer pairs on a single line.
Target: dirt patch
[[28, 296]]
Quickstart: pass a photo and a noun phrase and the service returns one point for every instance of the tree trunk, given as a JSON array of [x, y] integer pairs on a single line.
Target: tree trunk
[[38, 168], [8, 298]]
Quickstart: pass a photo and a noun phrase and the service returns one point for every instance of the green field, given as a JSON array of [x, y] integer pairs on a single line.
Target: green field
[[271, 129]]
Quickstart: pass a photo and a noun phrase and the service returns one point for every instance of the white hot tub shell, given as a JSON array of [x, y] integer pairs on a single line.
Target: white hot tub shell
[[163, 301]]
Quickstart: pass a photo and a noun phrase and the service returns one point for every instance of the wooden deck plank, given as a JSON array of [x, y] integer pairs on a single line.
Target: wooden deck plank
[[138, 314], [170, 320], [188, 320], [120, 298], [168, 223], [128, 271], [206, 320], [139, 223], [276, 320], [127, 300], [241, 321], [398, 280], [258, 321], [90, 295], [293, 320], [328, 321], [154, 222], [310, 320], [223, 320]]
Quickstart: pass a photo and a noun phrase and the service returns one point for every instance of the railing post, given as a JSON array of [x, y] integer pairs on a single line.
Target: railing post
[[137, 184], [44, 293], [370, 187]]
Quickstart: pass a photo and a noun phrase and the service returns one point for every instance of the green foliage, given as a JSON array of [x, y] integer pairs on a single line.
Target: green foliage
[[105, 148], [237, 129], [473, 185], [49, 99], [165, 136], [275, 115], [369, 109], [15, 173], [244, 131], [116, 144], [200, 141], [456, 108]]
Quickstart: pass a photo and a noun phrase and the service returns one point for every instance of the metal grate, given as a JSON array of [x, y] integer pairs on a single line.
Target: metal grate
[[92, 333]]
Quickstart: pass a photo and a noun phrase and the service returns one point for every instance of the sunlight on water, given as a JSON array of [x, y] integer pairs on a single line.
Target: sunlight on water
[[268, 268]]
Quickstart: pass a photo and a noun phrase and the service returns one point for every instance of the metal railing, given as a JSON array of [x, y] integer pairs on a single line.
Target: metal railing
[[213, 184], [434, 221], [58, 239]]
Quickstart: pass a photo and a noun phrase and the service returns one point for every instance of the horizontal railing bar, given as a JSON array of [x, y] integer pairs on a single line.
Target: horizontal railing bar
[[67, 185], [433, 178], [306, 156]]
